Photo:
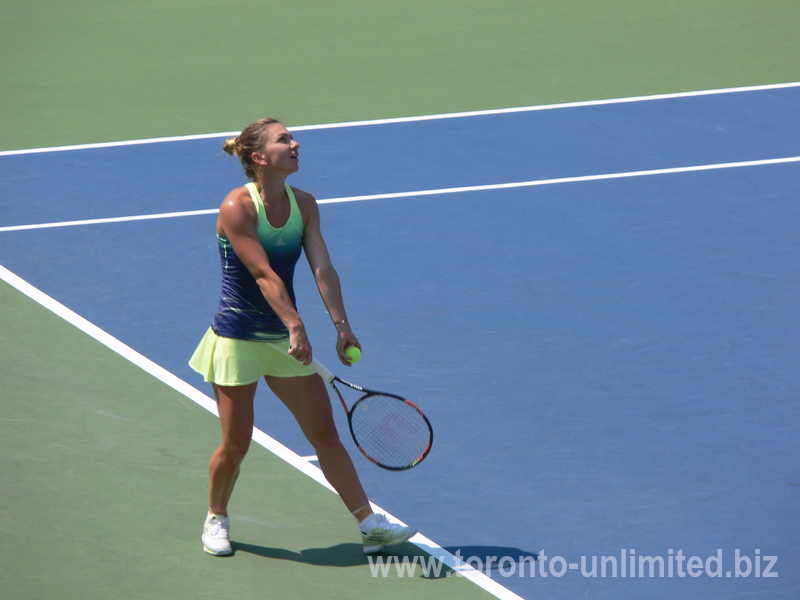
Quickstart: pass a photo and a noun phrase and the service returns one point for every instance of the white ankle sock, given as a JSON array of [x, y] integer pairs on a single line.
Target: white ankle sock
[[367, 523]]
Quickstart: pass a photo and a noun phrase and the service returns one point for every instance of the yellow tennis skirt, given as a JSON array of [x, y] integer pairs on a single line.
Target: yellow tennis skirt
[[226, 361]]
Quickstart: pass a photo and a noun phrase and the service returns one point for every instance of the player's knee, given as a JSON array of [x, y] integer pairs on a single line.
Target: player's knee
[[236, 450], [325, 437]]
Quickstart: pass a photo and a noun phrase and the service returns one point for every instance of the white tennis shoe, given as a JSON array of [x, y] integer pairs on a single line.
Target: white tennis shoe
[[216, 535], [377, 533]]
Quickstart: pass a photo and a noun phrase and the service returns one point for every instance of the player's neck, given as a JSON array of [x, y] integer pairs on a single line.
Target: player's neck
[[271, 188]]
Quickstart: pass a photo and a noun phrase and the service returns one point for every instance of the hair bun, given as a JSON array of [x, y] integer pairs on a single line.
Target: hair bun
[[233, 145]]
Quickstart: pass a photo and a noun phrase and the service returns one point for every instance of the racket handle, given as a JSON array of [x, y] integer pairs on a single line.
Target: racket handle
[[321, 370]]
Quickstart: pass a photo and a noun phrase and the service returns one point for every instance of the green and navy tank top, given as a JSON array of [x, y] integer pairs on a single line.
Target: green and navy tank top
[[244, 313]]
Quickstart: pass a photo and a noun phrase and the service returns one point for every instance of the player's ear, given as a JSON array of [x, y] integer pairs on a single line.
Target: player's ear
[[259, 159]]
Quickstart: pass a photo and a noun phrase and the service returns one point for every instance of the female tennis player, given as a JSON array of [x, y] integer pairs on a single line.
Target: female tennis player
[[257, 332]]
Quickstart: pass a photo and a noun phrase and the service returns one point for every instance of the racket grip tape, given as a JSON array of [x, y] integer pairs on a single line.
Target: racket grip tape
[[321, 370]]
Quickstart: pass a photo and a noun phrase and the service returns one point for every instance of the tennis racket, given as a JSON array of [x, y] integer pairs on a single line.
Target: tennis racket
[[389, 430]]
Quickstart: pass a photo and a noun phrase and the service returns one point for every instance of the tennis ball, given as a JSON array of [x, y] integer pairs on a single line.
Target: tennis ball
[[353, 354]]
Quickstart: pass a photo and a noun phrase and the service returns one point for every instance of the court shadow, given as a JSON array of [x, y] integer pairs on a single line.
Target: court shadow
[[341, 555], [489, 559], [352, 555], [486, 559]]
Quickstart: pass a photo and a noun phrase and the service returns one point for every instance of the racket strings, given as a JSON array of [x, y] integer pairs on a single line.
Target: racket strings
[[391, 432]]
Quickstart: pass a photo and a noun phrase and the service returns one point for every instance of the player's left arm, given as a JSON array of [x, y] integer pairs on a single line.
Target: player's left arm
[[325, 275]]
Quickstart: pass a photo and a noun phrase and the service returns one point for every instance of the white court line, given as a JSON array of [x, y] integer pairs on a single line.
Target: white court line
[[301, 464], [435, 192], [458, 115], [169, 215]]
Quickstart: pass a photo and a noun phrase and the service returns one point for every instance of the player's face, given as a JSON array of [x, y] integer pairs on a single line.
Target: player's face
[[281, 150]]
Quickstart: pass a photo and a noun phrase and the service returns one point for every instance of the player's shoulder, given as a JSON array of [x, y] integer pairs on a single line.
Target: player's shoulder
[[305, 201], [307, 204], [237, 196], [237, 203], [303, 197]]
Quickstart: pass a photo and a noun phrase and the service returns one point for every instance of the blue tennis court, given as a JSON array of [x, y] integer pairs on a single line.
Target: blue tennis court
[[596, 305]]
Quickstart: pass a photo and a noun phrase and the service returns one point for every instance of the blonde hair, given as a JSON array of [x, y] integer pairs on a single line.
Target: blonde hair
[[250, 140]]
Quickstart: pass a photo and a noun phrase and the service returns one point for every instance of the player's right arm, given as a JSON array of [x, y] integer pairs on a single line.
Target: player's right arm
[[237, 222]]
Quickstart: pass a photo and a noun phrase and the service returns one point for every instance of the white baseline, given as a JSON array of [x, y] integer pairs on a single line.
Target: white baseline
[[458, 115]]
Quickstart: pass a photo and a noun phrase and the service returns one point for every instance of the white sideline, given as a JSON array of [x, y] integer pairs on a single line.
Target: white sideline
[[259, 436]]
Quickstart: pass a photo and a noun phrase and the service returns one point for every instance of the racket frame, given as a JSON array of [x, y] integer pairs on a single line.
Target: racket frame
[[332, 379]]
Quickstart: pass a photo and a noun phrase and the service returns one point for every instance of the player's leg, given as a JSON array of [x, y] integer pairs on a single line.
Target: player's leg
[[307, 399], [235, 407]]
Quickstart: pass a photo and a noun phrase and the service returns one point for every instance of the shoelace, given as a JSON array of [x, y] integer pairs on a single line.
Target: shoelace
[[219, 528], [381, 521]]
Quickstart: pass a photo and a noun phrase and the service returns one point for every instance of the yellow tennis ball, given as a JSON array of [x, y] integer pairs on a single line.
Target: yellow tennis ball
[[353, 354]]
